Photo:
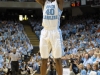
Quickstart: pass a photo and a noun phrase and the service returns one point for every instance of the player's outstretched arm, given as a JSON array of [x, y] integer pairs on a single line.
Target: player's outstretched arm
[[60, 4], [41, 2]]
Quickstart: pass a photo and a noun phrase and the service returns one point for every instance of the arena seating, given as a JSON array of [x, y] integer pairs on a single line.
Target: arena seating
[[12, 36], [81, 36]]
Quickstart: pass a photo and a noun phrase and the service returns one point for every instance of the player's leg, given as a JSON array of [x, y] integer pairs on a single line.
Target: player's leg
[[43, 68], [57, 55], [57, 51], [58, 66], [44, 51], [44, 56]]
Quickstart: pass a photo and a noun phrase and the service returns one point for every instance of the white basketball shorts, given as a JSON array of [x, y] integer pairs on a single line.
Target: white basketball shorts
[[51, 40]]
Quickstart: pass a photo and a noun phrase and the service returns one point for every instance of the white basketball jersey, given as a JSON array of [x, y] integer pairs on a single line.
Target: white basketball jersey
[[51, 15]]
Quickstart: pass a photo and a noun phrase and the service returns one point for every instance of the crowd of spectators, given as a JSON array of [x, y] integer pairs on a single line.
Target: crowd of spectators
[[81, 36], [37, 27], [82, 42], [12, 36]]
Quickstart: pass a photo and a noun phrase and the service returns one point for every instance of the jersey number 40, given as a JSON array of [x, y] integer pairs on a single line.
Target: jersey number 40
[[50, 12]]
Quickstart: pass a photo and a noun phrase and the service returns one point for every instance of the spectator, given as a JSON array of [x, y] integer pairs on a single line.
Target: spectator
[[89, 68], [95, 70]]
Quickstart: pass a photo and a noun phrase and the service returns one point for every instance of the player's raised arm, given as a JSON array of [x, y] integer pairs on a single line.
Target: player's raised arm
[[41, 2], [60, 4]]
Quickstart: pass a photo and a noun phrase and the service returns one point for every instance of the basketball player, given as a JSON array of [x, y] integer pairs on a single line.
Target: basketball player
[[51, 37]]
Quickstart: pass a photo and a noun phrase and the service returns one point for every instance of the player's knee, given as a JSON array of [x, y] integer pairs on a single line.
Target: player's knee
[[58, 59], [43, 56]]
